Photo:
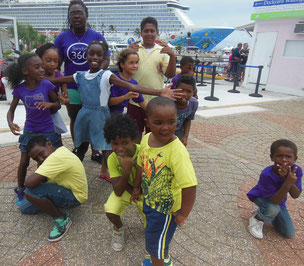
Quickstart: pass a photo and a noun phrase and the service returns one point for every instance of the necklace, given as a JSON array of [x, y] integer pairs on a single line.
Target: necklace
[[79, 40]]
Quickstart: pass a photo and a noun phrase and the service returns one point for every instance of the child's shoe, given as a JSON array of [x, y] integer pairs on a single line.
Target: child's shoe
[[118, 239], [20, 195], [256, 227], [148, 262], [61, 226]]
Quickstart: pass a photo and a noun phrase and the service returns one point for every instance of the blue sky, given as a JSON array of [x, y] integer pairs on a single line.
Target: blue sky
[[222, 13]]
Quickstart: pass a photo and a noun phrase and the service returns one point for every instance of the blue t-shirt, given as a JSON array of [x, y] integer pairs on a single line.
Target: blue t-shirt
[[36, 120], [73, 51], [236, 53], [117, 92], [186, 113], [269, 183]]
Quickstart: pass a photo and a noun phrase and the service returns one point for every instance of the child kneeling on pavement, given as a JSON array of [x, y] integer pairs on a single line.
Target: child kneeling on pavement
[[275, 183], [59, 182], [120, 131]]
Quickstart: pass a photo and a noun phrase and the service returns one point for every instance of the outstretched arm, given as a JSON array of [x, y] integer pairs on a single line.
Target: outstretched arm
[[166, 92], [118, 100], [64, 79]]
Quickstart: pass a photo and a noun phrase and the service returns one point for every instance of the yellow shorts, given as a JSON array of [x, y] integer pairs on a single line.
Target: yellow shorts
[[117, 205]]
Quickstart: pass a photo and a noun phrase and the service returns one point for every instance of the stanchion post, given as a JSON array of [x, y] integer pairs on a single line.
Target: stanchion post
[[202, 78], [196, 72], [236, 80], [256, 94], [211, 97]]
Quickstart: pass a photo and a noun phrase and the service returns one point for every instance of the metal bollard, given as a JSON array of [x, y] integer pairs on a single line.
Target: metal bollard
[[211, 97], [236, 80], [202, 78], [256, 94]]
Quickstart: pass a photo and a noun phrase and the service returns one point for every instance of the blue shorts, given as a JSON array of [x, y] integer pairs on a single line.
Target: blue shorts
[[52, 136], [60, 196], [159, 232]]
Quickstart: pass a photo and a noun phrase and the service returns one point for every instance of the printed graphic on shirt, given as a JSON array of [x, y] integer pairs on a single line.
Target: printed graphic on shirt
[[157, 183], [77, 53], [31, 100]]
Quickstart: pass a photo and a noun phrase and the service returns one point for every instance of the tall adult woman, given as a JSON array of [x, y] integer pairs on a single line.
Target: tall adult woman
[[71, 45]]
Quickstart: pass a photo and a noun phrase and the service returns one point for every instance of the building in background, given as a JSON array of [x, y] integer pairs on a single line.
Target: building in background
[[278, 45]]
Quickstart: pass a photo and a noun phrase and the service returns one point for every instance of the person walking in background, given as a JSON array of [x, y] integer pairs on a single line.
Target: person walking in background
[[236, 57], [244, 57], [72, 45]]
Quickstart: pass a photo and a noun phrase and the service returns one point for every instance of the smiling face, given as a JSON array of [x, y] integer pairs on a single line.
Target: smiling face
[[40, 153], [187, 93], [283, 156], [34, 69], [149, 34], [123, 147], [162, 121], [130, 66], [77, 17], [50, 61], [95, 56]]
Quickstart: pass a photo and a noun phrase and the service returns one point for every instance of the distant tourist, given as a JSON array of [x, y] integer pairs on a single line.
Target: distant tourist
[[236, 57], [244, 57], [229, 75], [270, 194], [155, 63], [72, 45]]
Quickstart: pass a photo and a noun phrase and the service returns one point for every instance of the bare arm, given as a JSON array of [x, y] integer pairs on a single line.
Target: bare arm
[[34, 180], [143, 105], [64, 79], [10, 117], [187, 125], [287, 187], [120, 184], [53, 104], [171, 69], [137, 182], [188, 199], [118, 100]]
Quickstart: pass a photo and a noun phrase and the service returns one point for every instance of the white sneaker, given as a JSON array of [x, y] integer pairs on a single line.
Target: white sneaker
[[118, 239], [256, 227]]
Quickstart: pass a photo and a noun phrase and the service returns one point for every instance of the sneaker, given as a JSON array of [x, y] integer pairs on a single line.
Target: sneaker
[[256, 227], [97, 157], [147, 261], [20, 195], [61, 226], [118, 239]]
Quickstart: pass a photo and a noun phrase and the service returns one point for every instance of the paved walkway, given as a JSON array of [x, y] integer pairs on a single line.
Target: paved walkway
[[228, 153]]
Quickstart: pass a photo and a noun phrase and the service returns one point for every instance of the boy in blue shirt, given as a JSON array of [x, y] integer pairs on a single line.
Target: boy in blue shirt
[[167, 179], [275, 183]]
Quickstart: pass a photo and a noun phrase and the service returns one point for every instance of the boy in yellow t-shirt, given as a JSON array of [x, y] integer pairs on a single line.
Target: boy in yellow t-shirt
[[120, 131], [167, 179], [59, 182]]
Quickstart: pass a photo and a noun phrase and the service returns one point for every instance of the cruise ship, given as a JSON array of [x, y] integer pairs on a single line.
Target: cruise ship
[[118, 20]]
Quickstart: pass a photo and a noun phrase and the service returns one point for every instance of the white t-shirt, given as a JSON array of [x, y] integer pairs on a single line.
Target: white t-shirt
[[105, 84]]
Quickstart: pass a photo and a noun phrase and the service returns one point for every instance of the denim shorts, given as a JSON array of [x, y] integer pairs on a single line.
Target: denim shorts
[[52, 136], [60, 196]]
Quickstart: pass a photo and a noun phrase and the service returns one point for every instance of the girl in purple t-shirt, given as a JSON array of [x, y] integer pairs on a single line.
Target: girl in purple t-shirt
[[119, 98], [50, 58], [38, 96]]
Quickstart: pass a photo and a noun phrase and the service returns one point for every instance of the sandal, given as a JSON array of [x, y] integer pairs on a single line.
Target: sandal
[[97, 157]]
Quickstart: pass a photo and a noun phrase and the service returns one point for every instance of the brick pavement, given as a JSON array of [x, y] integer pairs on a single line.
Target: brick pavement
[[228, 153]]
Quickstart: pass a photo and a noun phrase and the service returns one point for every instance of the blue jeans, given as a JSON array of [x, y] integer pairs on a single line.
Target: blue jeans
[[279, 217], [60, 196]]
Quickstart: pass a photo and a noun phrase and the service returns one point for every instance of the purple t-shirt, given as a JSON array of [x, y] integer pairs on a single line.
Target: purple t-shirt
[[186, 113], [174, 81], [117, 91], [269, 183], [73, 48], [36, 120]]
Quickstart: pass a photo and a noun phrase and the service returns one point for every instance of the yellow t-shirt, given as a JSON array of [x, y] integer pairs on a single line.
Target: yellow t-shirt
[[166, 171], [149, 73], [115, 168], [64, 168]]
